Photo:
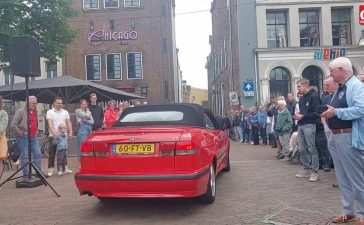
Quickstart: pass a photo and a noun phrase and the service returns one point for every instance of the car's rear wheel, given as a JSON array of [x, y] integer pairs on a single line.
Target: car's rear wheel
[[209, 196], [227, 167]]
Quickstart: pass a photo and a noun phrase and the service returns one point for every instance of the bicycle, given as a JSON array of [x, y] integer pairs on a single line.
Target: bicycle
[[45, 146]]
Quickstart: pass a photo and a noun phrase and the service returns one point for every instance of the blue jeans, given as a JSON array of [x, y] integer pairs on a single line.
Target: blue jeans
[[34, 146], [242, 127], [83, 132], [255, 133], [263, 133], [247, 134]]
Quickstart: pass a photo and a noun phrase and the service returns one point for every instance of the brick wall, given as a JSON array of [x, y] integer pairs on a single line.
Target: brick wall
[[153, 23]]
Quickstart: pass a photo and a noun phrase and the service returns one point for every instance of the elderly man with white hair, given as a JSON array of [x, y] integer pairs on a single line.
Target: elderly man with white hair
[[284, 127], [345, 116], [20, 128]]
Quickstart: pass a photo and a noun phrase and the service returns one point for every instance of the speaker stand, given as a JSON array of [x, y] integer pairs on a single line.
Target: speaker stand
[[29, 181]]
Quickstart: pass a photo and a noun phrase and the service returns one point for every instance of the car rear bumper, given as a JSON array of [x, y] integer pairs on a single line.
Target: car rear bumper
[[145, 186]]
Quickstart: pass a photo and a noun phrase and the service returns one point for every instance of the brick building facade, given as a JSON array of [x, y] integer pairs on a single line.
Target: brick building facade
[[126, 44], [223, 62]]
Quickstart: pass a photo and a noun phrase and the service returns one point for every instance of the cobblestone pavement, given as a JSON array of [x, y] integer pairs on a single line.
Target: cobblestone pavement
[[259, 189]]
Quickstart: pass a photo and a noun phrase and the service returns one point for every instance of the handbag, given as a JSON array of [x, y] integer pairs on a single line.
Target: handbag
[[13, 150], [3, 147], [76, 129]]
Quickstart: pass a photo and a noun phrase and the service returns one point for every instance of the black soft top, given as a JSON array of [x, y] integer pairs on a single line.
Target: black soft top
[[193, 115]]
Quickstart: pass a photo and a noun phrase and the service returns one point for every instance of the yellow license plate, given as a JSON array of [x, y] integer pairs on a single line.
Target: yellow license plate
[[134, 149]]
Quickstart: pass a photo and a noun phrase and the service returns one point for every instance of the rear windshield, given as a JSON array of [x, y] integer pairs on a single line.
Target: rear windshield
[[154, 116]]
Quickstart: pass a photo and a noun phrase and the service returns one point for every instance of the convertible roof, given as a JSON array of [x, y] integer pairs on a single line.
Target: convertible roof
[[193, 114]]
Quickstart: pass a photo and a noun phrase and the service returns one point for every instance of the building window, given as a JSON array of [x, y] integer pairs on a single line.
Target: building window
[[166, 90], [309, 28], [163, 10], [112, 24], [91, 24], [93, 67], [132, 23], [279, 82], [90, 4], [225, 51], [277, 29], [341, 26], [135, 65], [314, 75], [51, 68], [111, 4], [113, 66], [131, 3], [7, 76], [221, 58], [164, 45]]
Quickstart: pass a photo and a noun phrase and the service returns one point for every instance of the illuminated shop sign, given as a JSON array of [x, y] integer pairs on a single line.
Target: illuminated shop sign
[[329, 53], [100, 36]]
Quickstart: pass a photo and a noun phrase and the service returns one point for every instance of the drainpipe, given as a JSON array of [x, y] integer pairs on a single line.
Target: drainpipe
[[256, 76], [231, 80]]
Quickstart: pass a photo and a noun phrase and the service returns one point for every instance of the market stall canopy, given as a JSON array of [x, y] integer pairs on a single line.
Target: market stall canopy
[[71, 89]]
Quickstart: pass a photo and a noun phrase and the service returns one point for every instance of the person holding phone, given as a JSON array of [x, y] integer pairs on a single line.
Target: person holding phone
[[307, 122], [345, 116], [330, 87]]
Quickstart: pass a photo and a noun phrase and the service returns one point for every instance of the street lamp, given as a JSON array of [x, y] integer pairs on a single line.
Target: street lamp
[[361, 40]]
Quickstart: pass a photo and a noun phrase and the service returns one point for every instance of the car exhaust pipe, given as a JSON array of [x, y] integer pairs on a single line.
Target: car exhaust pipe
[[89, 193]]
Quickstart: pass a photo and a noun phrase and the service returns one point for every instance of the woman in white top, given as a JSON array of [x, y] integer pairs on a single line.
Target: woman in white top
[[84, 123]]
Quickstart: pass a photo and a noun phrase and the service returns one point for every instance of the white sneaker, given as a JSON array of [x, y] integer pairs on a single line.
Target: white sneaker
[[17, 162], [313, 177], [252, 143], [68, 170], [50, 172], [241, 141], [60, 173], [303, 174]]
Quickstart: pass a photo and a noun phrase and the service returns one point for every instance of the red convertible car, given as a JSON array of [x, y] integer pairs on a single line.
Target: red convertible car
[[155, 151]]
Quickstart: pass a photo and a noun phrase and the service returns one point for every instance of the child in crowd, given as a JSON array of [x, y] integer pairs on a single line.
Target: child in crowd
[[62, 146]]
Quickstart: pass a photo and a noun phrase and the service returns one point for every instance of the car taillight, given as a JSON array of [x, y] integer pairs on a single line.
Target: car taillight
[[167, 148], [101, 150], [185, 148], [87, 150], [94, 150]]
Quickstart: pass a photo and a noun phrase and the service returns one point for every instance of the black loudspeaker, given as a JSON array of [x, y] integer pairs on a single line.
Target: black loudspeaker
[[24, 56]]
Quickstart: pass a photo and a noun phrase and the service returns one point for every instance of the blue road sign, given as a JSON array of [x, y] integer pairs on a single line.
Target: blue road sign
[[248, 86]]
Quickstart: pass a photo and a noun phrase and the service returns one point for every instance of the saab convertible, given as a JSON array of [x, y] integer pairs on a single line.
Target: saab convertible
[[155, 151]]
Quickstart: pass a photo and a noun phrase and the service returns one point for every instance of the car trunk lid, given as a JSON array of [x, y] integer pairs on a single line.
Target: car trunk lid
[[136, 150]]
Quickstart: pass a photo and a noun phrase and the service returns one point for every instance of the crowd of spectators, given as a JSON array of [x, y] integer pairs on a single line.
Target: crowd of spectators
[[320, 131]]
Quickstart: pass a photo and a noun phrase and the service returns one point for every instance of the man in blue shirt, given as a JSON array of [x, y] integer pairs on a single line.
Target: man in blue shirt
[[262, 121], [345, 116], [255, 126]]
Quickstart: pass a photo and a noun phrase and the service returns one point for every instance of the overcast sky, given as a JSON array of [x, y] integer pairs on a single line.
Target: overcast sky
[[192, 33]]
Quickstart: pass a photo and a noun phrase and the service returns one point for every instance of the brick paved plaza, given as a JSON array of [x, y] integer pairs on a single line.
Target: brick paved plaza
[[258, 190]]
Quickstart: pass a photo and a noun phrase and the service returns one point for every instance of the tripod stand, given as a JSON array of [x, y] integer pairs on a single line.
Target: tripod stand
[[29, 181]]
